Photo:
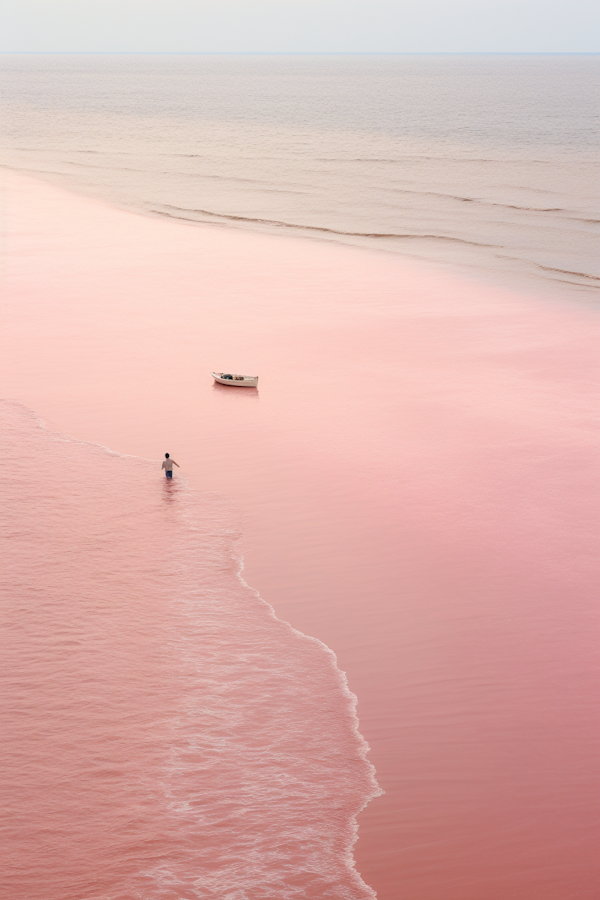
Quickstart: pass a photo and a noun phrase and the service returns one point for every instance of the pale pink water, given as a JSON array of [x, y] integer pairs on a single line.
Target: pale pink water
[[417, 481]]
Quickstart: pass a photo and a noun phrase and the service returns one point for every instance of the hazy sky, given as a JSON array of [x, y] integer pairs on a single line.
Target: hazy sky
[[301, 25]]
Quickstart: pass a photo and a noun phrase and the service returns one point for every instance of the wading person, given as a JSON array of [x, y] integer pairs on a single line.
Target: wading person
[[168, 464]]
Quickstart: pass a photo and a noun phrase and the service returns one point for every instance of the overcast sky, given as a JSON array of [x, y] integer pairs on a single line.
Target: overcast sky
[[301, 26]]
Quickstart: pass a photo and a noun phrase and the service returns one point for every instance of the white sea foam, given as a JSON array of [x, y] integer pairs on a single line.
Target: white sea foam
[[183, 741]]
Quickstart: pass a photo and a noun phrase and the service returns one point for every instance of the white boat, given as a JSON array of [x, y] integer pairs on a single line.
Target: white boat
[[235, 380]]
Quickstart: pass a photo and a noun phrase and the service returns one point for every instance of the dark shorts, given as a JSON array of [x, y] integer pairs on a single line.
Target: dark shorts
[[169, 473]]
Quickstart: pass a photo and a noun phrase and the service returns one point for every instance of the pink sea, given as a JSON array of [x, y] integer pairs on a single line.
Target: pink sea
[[351, 650]]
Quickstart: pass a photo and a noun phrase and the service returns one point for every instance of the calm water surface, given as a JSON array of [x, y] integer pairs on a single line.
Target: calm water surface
[[489, 162], [165, 735]]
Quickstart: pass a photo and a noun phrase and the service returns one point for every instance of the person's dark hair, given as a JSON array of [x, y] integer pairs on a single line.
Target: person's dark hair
[[166, 455]]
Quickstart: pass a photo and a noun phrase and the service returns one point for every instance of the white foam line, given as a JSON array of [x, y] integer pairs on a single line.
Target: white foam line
[[364, 746], [377, 791]]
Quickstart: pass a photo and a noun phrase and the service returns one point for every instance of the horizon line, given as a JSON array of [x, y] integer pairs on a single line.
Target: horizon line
[[300, 52]]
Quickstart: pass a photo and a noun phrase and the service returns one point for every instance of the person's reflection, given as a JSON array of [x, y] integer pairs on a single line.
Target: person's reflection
[[170, 490]]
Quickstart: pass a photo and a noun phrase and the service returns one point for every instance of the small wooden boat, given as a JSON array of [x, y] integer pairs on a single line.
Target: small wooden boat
[[235, 380]]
